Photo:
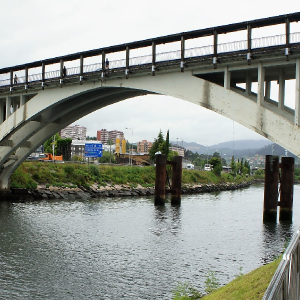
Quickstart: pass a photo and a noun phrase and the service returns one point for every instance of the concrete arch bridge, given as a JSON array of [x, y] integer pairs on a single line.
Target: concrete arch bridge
[[219, 77]]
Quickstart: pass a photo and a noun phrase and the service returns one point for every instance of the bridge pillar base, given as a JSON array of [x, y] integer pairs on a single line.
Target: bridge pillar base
[[5, 195]]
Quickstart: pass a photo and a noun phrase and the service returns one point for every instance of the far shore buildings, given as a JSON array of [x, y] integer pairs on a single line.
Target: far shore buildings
[[143, 146], [74, 132], [178, 149], [104, 135], [78, 147]]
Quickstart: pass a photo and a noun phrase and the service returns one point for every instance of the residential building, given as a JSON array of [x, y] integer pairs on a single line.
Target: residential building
[[74, 132], [178, 149], [144, 146], [104, 135]]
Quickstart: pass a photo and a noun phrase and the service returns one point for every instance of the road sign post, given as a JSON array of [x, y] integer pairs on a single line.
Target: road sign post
[[93, 150]]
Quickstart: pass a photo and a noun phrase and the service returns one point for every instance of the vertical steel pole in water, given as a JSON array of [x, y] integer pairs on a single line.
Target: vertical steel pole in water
[[287, 189], [176, 180], [160, 180], [271, 188]]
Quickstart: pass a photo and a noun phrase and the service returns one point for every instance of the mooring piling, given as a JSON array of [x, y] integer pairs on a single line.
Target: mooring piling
[[271, 188], [160, 180], [176, 180], [286, 189]]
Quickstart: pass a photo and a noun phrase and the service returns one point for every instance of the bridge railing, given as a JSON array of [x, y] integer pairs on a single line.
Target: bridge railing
[[285, 283], [165, 56]]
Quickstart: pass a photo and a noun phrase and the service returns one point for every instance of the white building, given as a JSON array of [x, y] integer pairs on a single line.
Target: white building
[[78, 147], [74, 132]]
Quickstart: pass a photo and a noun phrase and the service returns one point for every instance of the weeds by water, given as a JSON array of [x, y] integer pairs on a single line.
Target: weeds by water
[[251, 286], [30, 174]]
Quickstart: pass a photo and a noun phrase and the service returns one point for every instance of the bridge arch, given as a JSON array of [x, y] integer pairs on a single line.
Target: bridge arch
[[52, 109]]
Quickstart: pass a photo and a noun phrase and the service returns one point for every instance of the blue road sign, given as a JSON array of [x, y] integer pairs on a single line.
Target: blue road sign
[[93, 150]]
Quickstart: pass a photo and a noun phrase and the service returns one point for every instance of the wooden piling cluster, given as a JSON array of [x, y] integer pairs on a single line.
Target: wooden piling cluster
[[161, 179], [286, 188]]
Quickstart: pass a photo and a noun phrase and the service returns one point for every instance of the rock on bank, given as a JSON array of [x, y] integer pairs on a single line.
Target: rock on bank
[[44, 193]]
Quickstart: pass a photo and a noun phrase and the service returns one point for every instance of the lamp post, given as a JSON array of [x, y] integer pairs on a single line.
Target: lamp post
[[131, 145], [53, 147]]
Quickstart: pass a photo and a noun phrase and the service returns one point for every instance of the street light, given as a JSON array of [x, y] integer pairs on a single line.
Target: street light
[[207, 155], [131, 145]]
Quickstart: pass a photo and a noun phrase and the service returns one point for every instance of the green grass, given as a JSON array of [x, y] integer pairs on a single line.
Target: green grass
[[29, 174], [251, 286]]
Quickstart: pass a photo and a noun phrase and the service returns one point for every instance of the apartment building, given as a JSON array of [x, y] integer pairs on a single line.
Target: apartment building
[[143, 146], [74, 132], [178, 149], [104, 135]]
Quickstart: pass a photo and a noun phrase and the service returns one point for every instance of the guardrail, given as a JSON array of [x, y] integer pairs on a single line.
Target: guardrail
[[285, 283], [165, 56]]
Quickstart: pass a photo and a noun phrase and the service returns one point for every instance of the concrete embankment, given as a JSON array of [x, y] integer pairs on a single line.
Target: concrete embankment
[[45, 193]]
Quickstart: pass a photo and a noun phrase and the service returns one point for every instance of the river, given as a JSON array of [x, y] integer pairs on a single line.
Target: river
[[127, 248]]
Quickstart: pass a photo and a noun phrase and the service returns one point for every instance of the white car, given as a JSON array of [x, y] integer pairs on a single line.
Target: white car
[[207, 167]]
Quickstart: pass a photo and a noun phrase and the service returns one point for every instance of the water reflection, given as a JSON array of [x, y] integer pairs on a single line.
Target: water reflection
[[128, 248]]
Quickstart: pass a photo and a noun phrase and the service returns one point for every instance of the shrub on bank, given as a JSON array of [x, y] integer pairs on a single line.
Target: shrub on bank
[[29, 174]]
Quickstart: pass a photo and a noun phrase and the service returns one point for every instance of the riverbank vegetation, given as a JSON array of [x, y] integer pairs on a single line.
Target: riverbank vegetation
[[251, 286], [30, 174]]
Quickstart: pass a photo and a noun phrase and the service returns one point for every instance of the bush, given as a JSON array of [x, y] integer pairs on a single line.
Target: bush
[[185, 291], [95, 171]]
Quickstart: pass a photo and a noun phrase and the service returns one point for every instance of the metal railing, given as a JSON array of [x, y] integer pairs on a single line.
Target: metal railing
[[285, 283], [165, 56]]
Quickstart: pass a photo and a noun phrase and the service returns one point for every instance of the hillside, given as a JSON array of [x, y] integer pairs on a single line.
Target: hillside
[[240, 148]]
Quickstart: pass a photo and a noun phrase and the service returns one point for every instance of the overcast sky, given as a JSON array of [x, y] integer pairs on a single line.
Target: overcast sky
[[33, 29]]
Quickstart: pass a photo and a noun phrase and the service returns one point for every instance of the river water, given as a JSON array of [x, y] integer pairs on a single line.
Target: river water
[[127, 248]]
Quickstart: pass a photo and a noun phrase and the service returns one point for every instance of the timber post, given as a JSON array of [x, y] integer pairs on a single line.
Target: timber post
[[160, 180], [176, 180], [271, 188], [287, 189]]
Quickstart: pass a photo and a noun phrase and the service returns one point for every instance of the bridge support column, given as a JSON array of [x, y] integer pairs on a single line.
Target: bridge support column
[[160, 179], [8, 106], [176, 180], [271, 188], [260, 84], [5, 193], [248, 83], [281, 90], [287, 189], [297, 93], [227, 78], [2, 110]]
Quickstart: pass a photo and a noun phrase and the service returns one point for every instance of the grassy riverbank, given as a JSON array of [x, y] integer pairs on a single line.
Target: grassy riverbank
[[251, 286], [31, 174]]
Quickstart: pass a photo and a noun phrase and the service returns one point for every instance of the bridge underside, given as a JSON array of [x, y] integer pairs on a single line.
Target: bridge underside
[[29, 119]]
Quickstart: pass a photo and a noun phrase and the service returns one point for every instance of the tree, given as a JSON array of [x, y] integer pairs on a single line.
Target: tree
[[216, 154], [167, 144], [64, 148], [48, 145], [106, 158], [217, 165], [158, 145], [233, 166]]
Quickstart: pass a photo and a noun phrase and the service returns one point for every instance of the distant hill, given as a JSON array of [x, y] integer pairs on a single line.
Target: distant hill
[[243, 144], [276, 150], [241, 147]]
